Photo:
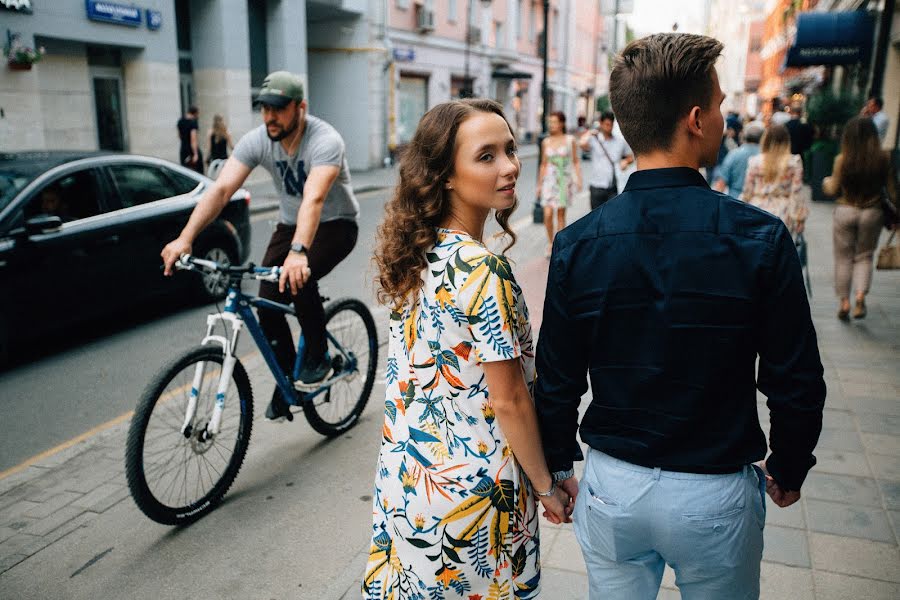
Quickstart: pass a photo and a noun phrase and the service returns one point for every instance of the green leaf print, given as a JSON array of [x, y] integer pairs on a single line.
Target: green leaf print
[[518, 561], [419, 543], [503, 496], [432, 257], [499, 266], [462, 265]]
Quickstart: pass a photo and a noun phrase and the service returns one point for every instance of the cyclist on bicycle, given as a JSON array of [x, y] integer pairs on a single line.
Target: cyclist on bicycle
[[317, 226]]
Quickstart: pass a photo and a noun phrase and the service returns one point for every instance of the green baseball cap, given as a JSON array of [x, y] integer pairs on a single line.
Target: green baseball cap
[[279, 89]]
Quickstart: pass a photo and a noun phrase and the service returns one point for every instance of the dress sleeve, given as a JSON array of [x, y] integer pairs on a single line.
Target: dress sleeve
[[486, 293]]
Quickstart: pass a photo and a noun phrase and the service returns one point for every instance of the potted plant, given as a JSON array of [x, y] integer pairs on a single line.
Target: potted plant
[[20, 57], [827, 112]]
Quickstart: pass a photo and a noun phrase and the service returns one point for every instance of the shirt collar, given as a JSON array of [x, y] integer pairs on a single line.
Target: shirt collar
[[662, 178]]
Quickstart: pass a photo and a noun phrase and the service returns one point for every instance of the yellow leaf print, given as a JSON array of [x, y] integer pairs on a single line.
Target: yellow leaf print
[[469, 507], [409, 328], [443, 297], [499, 532], [438, 449], [498, 591]]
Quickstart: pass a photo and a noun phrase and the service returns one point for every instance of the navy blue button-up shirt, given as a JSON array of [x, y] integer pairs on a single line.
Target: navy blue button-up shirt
[[664, 297]]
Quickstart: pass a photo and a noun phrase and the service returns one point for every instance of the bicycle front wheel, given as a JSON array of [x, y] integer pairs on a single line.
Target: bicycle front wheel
[[353, 359], [177, 474]]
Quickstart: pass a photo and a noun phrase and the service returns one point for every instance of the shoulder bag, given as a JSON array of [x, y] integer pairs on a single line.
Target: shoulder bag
[[889, 255], [613, 189]]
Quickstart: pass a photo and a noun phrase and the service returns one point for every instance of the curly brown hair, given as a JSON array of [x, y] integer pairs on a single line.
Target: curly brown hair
[[421, 201]]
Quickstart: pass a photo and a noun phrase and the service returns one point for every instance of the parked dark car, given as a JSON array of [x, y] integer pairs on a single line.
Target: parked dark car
[[81, 233]]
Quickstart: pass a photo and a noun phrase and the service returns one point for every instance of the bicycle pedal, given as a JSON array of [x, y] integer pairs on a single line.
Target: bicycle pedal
[[311, 387]]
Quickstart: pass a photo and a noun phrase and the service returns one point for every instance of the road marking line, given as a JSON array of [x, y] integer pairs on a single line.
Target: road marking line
[[57, 449]]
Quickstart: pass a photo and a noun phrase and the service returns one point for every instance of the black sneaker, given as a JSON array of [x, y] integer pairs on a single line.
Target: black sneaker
[[278, 408], [313, 373]]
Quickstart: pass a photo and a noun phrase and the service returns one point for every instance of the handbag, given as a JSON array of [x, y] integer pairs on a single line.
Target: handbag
[[889, 255]]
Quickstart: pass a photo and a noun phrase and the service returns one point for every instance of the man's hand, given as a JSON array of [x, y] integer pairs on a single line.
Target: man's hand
[[570, 487], [172, 252], [295, 271], [782, 498], [556, 507]]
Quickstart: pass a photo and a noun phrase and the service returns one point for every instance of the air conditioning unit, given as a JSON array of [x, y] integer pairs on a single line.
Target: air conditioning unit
[[474, 35], [424, 18]]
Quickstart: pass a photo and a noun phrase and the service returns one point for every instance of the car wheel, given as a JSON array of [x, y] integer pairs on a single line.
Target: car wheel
[[212, 286]]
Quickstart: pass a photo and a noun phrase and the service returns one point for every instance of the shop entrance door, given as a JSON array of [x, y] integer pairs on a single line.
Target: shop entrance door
[[110, 109]]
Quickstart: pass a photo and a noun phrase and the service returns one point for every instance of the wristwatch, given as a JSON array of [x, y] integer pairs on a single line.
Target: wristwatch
[[562, 475], [298, 248]]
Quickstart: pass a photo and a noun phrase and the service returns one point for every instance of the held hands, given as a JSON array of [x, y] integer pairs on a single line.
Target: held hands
[[558, 507], [779, 496], [172, 252], [294, 272]]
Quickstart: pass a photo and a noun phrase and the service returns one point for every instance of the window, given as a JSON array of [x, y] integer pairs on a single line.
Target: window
[[71, 197], [140, 184], [519, 20], [452, 12], [404, 4], [557, 29], [184, 184], [259, 45], [532, 18], [499, 42]]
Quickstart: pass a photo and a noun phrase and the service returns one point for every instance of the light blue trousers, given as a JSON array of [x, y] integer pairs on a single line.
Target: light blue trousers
[[631, 521]]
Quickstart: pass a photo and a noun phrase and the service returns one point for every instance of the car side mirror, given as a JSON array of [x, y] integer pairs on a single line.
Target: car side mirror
[[42, 224]]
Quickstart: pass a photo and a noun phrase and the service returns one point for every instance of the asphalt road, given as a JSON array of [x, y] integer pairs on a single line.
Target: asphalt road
[[92, 375]]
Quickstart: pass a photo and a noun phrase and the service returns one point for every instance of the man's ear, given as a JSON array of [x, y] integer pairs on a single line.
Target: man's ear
[[694, 122]]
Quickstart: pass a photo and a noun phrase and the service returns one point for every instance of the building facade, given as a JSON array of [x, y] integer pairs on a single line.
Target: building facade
[[731, 24], [446, 49], [117, 76]]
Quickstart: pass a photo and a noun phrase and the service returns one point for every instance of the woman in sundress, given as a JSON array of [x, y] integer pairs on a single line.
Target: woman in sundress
[[774, 180], [461, 462], [560, 175]]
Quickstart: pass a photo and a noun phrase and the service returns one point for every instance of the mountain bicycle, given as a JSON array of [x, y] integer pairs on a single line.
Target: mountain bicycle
[[191, 428]]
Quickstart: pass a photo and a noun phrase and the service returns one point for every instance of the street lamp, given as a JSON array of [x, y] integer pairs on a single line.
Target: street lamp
[[537, 214], [467, 91]]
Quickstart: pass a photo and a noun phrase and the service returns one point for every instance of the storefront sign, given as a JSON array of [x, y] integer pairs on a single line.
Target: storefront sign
[[22, 6], [110, 12], [154, 19], [404, 54]]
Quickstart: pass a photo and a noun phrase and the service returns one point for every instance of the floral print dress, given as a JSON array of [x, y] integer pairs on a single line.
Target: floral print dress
[[558, 185], [783, 197], [454, 514]]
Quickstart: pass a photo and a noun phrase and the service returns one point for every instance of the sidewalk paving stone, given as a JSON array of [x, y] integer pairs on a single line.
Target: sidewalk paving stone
[[853, 556], [841, 462], [881, 443], [849, 520], [891, 492], [792, 516], [778, 582], [860, 491], [840, 439], [886, 467], [786, 546], [833, 586], [57, 519]]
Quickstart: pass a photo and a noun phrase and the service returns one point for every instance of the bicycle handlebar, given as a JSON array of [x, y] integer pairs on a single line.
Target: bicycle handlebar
[[250, 271]]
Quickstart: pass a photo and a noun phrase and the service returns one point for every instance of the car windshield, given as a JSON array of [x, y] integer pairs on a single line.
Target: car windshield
[[12, 181]]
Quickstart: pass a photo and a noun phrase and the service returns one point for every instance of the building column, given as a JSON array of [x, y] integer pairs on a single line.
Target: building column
[[220, 52]]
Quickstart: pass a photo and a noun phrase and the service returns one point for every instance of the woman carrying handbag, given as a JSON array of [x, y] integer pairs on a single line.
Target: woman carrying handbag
[[864, 183]]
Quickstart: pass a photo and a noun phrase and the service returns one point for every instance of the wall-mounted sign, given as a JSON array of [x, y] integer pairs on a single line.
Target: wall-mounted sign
[[154, 19], [404, 54], [111, 12], [22, 6]]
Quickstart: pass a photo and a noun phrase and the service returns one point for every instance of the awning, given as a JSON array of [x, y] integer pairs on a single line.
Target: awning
[[507, 73], [833, 38]]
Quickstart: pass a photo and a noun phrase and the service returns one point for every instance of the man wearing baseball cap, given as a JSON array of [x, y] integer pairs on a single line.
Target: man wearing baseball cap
[[317, 226]]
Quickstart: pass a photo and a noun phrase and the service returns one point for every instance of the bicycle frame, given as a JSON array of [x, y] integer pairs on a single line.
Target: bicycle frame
[[238, 313]]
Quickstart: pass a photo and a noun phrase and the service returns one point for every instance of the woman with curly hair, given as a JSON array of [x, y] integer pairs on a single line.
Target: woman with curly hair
[[862, 172], [461, 462]]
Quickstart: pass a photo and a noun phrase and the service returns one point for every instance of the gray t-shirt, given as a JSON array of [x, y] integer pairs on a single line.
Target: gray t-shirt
[[602, 170], [321, 145]]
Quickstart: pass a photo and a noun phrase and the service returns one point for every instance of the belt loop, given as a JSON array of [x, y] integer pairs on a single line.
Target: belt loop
[[656, 473]]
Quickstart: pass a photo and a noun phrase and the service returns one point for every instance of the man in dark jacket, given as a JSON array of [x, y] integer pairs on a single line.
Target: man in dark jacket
[[665, 297]]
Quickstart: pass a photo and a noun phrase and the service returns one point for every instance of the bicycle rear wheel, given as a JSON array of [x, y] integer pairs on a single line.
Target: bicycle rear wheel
[[175, 478], [338, 408]]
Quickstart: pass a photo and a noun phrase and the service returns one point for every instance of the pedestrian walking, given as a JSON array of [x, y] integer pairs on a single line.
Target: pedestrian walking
[[774, 180], [461, 464], [800, 132], [731, 175], [664, 297], [861, 178], [219, 139], [874, 109], [317, 226], [608, 153], [189, 153], [560, 175]]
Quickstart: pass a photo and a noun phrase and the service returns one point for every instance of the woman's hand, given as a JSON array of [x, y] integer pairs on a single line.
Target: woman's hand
[[556, 507]]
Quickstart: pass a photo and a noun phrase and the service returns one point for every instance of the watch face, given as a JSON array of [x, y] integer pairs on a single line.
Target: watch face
[[298, 248]]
